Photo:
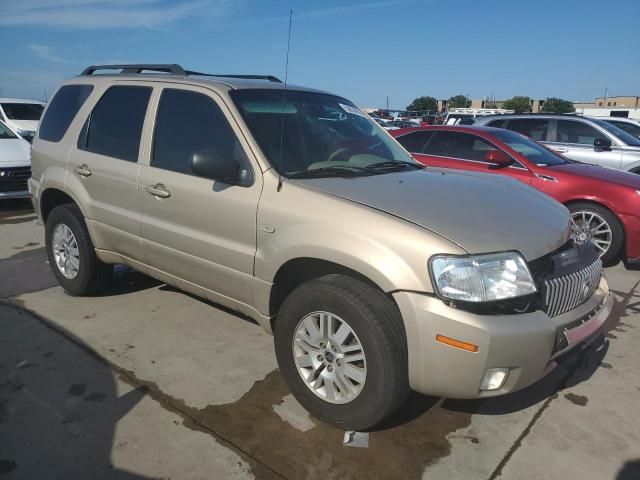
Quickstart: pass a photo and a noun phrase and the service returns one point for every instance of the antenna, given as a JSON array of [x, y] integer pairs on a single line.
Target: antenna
[[284, 98]]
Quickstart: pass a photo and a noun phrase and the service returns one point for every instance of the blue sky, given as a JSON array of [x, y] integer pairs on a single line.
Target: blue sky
[[361, 49]]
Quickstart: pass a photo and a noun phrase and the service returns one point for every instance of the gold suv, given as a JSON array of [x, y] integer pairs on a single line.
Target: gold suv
[[290, 205]]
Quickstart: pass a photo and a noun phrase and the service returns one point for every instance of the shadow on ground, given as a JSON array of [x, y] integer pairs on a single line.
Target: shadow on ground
[[58, 406]]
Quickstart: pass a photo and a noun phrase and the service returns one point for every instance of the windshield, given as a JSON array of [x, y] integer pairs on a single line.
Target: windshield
[[5, 133], [532, 151], [621, 134], [319, 133], [23, 111]]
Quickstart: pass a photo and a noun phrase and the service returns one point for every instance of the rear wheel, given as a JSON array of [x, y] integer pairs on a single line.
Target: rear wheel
[[71, 253], [598, 225], [341, 347]]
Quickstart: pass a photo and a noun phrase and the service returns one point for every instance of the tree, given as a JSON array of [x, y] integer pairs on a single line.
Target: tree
[[558, 105], [423, 103], [518, 104], [458, 101]]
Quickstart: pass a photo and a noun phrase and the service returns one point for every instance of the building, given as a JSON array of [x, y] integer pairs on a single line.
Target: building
[[536, 105], [620, 106]]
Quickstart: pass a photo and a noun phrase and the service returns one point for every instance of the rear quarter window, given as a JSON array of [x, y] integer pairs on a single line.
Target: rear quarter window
[[62, 110]]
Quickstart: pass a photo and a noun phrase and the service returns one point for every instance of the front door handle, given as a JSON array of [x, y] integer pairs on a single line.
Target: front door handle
[[82, 170], [560, 150], [158, 190]]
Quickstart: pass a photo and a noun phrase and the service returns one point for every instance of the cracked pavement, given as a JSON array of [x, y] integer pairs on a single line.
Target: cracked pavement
[[144, 381]]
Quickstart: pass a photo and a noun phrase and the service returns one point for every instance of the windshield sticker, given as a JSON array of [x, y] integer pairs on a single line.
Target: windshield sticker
[[353, 110]]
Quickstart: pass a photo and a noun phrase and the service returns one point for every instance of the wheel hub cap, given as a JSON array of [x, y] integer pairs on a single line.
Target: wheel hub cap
[[590, 227], [329, 357], [65, 251]]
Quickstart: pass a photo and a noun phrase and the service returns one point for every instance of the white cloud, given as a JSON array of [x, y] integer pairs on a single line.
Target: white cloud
[[46, 53], [98, 14]]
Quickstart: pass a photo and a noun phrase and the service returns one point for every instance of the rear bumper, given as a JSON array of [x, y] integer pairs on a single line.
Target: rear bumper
[[526, 344]]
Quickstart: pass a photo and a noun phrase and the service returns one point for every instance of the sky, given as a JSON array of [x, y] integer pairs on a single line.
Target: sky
[[364, 50]]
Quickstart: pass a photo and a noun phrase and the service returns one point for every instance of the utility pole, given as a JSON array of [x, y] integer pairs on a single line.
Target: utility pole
[[606, 93], [387, 102]]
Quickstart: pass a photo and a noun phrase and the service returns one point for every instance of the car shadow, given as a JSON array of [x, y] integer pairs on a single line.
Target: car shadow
[[59, 404], [629, 471]]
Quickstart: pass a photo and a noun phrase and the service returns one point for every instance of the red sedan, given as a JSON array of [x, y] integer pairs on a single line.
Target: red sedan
[[604, 203]]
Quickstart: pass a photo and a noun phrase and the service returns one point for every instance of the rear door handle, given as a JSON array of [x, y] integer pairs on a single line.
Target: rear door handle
[[158, 190], [82, 170]]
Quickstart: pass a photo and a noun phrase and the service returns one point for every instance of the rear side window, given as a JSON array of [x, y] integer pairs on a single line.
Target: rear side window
[[459, 145], [415, 142], [497, 123], [534, 128], [188, 122], [571, 131], [115, 124], [62, 110]]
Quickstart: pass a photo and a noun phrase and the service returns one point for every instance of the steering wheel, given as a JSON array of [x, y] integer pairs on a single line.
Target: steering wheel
[[338, 152]]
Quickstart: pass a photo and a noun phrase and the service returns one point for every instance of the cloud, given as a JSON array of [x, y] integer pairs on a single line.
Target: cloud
[[101, 14], [46, 53]]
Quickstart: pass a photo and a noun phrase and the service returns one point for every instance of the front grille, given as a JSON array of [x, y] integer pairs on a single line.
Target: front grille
[[14, 179], [565, 292]]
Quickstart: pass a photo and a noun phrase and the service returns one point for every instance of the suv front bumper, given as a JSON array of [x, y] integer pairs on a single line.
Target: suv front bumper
[[526, 344]]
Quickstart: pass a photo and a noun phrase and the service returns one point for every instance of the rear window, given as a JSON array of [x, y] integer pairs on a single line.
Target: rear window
[[114, 127], [22, 111], [62, 110]]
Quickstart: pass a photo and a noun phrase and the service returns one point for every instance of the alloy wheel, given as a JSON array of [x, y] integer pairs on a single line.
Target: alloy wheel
[[65, 251], [589, 226]]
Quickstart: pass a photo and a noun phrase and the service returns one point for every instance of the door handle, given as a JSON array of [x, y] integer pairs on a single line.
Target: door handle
[[560, 150], [158, 190], [82, 170]]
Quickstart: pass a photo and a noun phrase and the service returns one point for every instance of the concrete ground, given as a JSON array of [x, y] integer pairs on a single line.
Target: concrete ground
[[144, 381]]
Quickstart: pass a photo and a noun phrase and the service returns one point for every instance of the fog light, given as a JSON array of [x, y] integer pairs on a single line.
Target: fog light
[[494, 378]]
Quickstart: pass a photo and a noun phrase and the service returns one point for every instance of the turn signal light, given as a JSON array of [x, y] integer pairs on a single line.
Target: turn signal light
[[469, 347]]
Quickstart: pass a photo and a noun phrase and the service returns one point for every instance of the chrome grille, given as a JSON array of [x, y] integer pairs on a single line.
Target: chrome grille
[[566, 292]]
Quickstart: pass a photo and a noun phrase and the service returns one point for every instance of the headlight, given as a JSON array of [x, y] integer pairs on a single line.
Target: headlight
[[482, 278]]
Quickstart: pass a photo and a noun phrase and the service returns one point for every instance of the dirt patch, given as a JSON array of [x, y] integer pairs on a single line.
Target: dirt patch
[[580, 400], [77, 389]]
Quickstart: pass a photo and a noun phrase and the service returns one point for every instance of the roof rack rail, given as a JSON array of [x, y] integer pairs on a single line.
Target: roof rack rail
[[270, 78], [137, 68], [173, 69]]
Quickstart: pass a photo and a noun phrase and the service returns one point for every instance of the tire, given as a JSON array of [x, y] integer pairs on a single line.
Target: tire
[[375, 324], [91, 275], [614, 251]]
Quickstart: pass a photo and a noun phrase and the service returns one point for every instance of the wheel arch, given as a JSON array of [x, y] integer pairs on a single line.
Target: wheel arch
[[51, 198]]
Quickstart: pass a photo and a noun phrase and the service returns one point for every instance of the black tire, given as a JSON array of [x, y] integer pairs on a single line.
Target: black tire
[[376, 322], [612, 256], [93, 275]]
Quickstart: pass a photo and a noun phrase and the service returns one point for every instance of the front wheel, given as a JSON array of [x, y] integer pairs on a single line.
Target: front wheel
[[599, 226], [341, 346]]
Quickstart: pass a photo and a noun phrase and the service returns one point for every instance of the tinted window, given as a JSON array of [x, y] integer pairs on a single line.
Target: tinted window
[[497, 123], [535, 128], [415, 142], [459, 145], [23, 111], [619, 133], [62, 110], [532, 151], [115, 124], [571, 131], [630, 128], [186, 123]]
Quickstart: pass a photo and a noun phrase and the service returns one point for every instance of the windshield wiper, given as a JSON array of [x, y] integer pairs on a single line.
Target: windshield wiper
[[337, 171], [394, 164]]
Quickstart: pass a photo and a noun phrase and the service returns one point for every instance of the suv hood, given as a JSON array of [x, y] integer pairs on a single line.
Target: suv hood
[[600, 173], [479, 212], [14, 152]]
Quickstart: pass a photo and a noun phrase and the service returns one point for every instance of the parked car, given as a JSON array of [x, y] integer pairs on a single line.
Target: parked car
[[21, 115], [375, 274], [632, 127], [583, 139], [15, 164], [604, 203]]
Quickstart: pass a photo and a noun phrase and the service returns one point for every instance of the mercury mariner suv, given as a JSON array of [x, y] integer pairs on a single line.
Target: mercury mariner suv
[[375, 274]]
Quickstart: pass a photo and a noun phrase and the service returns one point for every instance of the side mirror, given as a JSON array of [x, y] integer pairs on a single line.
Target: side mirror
[[602, 145], [216, 166], [497, 159]]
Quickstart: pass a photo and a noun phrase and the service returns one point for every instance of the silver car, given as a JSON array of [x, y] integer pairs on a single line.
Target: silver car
[[587, 140], [292, 206]]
